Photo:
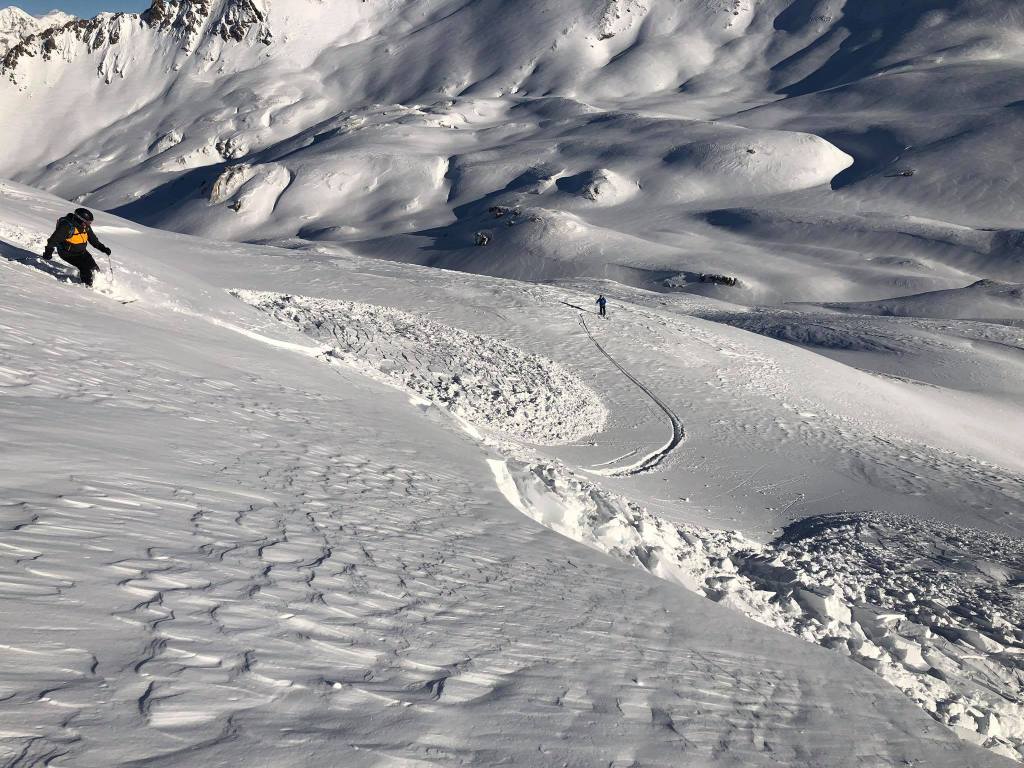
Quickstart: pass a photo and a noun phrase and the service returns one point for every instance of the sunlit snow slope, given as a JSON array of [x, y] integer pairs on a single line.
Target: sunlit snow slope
[[258, 526], [814, 151], [304, 498]]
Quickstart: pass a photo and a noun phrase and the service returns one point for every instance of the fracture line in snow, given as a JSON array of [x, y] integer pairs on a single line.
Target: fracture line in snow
[[956, 666], [653, 459], [822, 583]]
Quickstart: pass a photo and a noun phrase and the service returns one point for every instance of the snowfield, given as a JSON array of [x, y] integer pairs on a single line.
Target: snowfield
[[338, 465], [226, 539]]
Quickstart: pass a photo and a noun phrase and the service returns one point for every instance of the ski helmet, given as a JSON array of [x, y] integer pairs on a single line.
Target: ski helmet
[[84, 214]]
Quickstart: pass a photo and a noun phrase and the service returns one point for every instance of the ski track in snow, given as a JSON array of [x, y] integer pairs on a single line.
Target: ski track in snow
[[653, 459], [865, 448]]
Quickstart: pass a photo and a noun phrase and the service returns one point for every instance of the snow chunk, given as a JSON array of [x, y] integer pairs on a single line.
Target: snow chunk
[[824, 604]]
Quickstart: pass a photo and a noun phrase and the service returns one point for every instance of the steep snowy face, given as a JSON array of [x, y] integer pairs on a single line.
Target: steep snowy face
[[638, 139], [16, 25], [227, 19]]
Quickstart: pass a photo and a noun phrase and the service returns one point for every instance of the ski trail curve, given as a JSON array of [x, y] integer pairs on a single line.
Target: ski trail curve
[[653, 459]]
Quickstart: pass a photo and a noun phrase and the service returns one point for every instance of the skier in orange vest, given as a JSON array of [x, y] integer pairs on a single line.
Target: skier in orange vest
[[70, 238]]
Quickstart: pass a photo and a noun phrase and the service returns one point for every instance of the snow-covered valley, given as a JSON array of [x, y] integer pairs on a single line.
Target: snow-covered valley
[[340, 466]]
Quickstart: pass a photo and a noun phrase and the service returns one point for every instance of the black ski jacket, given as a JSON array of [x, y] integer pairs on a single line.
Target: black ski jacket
[[70, 237]]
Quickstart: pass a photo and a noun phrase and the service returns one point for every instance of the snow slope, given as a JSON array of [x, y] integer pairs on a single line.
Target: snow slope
[[296, 505], [813, 151], [226, 542], [985, 299]]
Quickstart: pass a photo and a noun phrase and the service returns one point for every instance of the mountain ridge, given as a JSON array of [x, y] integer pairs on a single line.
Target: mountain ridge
[[393, 127], [187, 21], [16, 25]]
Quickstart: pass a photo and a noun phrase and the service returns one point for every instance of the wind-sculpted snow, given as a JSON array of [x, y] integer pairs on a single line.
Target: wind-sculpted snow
[[961, 355], [486, 381], [985, 299], [219, 550], [933, 609]]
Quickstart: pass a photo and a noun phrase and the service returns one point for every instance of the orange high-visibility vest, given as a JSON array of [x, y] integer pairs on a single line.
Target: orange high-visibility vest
[[78, 237]]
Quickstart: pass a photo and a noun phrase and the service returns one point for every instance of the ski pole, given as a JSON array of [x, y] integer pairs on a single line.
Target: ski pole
[[110, 264]]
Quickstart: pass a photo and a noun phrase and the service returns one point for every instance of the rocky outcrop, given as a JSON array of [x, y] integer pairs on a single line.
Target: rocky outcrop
[[16, 25], [241, 17]]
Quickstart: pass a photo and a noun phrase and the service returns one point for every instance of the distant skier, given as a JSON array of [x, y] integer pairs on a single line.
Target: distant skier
[[70, 238], [601, 301]]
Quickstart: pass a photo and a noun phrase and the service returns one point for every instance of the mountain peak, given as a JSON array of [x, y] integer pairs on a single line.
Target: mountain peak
[[16, 25], [190, 21]]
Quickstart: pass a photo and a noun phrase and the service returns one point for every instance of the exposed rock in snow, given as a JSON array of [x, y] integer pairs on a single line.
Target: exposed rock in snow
[[600, 186], [16, 25], [65, 40], [230, 181], [233, 147], [619, 16], [188, 21], [227, 19], [170, 139]]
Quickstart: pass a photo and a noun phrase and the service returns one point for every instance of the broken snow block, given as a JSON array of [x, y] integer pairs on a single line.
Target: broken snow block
[[989, 725], [976, 639], [481, 238], [823, 604], [906, 651]]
